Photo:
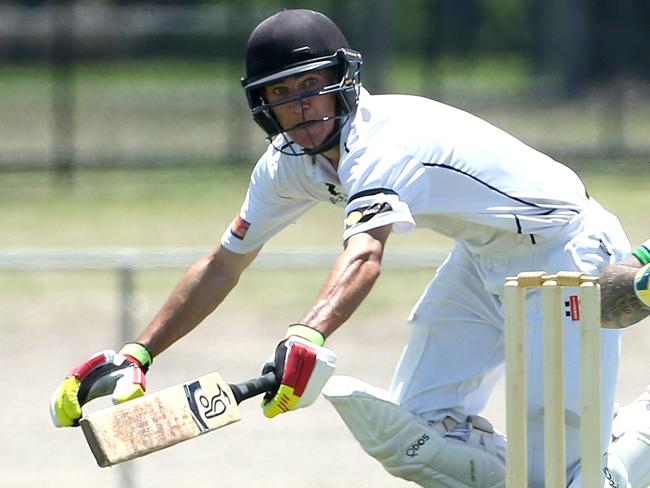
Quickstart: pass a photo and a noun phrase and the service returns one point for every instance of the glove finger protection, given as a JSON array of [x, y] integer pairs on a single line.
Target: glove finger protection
[[302, 366], [107, 372]]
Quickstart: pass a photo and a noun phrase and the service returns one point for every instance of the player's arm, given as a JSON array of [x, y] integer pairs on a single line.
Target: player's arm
[[349, 280], [122, 374], [203, 287], [620, 305], [301, 364]]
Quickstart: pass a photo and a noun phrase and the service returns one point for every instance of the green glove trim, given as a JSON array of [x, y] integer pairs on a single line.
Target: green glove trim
[[139, 352], [643, 252], [306, 332]]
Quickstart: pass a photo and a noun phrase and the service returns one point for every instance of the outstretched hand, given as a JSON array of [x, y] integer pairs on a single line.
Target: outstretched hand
[[302, 367], [107, 372]]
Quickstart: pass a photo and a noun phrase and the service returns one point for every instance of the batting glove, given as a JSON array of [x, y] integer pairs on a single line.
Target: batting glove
[[122, 374], [302, 366]]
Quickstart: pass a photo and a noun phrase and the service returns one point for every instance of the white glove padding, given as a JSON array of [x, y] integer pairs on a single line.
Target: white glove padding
[[104, 373], [302, 369], [119, 377]]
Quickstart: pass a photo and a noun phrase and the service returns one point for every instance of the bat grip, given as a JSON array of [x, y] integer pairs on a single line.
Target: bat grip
[[254, 387]]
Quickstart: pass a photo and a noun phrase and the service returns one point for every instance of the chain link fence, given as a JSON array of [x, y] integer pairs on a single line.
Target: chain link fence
[[97, 84]]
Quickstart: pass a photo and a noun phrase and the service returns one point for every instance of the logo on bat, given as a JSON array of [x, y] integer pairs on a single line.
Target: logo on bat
[[205, 407]]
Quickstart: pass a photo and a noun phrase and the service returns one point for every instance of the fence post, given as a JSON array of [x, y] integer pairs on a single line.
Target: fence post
[[379, 34], [126, 472], [612, 138], [62, 52]]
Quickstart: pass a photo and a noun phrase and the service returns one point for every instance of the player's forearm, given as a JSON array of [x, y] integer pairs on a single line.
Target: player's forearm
[[348, 283], [194, 298], [200, 291], [346, 287], [620, 307]]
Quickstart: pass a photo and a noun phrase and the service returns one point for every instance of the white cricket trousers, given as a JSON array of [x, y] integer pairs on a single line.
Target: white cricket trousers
[[455, 351]]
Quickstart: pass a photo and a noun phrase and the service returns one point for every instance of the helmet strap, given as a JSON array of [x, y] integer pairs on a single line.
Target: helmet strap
[[332, 140]]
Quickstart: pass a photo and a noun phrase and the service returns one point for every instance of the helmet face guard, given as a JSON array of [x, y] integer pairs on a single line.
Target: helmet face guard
[[345, 62]]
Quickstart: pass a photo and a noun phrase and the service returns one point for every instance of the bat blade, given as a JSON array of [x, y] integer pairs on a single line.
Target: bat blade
[[159, 420]]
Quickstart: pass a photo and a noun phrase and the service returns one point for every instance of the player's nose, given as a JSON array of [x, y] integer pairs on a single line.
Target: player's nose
[[301, 105]]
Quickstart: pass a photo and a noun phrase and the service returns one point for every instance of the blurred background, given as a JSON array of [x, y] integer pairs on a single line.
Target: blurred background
[[125, 150], [97, 82]]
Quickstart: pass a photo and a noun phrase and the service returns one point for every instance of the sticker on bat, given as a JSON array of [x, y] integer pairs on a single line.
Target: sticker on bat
[[204, 407]]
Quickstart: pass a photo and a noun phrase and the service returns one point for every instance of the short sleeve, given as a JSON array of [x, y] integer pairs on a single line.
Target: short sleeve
[[264, 213], [375, 178], [375, 208]]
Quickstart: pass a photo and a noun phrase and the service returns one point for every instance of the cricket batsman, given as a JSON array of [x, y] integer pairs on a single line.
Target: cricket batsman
[[393, 163]]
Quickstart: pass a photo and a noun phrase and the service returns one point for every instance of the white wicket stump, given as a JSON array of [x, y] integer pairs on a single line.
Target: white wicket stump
[[554, 413]]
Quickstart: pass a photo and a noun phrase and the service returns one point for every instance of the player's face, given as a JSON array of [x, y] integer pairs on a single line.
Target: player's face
[[308, 121]]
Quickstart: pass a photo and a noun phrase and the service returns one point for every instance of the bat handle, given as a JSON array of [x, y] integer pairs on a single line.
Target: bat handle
[[254, 387]]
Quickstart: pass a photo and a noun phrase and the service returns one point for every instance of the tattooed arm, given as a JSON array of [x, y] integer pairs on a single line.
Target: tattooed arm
[[620, 306]]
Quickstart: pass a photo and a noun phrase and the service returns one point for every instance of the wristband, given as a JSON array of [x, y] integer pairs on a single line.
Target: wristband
[[642, 253], [306, 332], [139, 352]]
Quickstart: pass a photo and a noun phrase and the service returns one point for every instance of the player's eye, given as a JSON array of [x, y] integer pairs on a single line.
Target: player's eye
[[310, 82], [279, 91]]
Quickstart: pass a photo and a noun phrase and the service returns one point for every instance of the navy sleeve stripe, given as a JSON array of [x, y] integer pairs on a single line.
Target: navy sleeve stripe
[[373, 191], [500, 192]]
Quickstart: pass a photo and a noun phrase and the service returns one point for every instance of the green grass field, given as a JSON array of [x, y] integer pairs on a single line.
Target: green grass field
[[157, 111], [49, 320], [191, 206]]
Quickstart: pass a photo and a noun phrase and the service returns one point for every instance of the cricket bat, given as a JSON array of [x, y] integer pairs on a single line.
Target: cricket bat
[[164, 418]]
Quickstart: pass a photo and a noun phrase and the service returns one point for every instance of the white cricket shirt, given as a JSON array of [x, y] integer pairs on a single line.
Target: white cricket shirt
[[407, 161]]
